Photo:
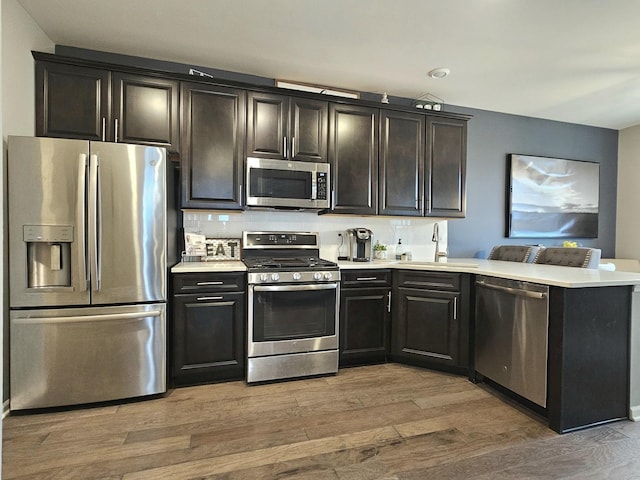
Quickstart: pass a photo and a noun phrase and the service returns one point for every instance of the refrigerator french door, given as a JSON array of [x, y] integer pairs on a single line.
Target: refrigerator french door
[[87, 270]]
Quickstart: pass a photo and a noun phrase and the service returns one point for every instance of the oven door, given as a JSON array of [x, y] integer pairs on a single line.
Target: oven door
[[292, 318]]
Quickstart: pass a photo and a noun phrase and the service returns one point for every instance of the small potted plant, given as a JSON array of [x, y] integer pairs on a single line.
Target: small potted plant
[[379, 251]]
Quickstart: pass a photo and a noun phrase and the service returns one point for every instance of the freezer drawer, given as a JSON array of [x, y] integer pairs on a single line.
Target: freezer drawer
[[63, 357]]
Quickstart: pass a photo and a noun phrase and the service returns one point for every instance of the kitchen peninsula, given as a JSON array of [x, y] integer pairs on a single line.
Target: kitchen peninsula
[[588, 367]]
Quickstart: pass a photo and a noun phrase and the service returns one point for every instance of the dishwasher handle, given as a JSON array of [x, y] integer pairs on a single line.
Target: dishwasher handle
[[514, 291]]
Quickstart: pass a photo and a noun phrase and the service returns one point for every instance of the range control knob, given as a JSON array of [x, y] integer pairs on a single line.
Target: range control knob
[[297, 275], [328, 275], [264, 277], [317, 276], [275, 277]]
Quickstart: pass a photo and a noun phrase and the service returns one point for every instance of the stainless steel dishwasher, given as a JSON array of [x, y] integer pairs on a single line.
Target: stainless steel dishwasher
[[511, 335]]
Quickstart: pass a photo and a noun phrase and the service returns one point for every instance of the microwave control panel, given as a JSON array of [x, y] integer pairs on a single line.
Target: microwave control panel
[[321, 185]]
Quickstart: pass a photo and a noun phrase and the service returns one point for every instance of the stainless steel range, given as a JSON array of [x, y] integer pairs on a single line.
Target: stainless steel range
[[293, 306]]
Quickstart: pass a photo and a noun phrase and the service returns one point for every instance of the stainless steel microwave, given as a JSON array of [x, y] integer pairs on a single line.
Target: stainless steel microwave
[[287, 184]]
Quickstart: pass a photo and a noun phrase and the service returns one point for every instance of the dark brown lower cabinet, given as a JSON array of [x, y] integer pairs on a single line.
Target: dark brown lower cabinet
[[208, 333], [431, 320], [364, 317]]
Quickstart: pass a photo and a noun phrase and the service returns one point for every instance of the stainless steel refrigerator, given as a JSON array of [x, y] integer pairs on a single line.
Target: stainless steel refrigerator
[[87, 271]]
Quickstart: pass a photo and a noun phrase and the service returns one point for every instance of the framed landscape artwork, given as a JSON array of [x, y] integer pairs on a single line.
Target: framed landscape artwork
[[552, 198]]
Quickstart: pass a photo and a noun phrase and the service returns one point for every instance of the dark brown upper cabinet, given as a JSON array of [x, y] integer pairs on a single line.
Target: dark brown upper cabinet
[[402, 147], [93, 104], [145, 110], [420, 170], [446, 167], [213, 122], [287, 128], [353, 153], [72, 101]]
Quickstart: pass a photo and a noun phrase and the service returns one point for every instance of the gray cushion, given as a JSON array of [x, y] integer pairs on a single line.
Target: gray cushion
[[511, 253], [569, 257]]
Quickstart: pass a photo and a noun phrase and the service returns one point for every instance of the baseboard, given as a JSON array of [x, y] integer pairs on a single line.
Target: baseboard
[[634, 413], [5, 408]]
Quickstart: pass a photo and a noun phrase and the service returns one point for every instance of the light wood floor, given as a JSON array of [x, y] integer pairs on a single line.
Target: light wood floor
[[385, 422]]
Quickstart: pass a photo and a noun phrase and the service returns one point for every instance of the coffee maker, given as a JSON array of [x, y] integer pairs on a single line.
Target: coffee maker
[[360, 242]]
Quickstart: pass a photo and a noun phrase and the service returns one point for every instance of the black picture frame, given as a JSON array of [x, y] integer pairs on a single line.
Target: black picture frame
[[552, 197]]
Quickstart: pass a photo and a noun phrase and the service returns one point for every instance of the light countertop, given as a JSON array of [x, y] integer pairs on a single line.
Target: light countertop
[[203, 267], [568, 277]]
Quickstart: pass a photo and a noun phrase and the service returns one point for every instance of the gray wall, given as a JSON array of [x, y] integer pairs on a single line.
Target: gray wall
[[492, 136]]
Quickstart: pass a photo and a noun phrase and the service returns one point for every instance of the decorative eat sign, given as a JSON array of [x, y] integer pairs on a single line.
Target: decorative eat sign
[[222, 249]]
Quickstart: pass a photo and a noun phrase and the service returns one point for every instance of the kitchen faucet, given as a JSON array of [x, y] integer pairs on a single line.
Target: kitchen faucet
[[436, 238]]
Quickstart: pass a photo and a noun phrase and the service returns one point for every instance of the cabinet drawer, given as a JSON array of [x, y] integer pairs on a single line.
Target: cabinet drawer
[[365, 278], [428, 280], [209, 282]]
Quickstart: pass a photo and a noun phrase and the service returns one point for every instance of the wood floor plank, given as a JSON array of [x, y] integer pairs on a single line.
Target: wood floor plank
[[381, 422], [265, 456], [362, 419], [542, 446], [70, 454]]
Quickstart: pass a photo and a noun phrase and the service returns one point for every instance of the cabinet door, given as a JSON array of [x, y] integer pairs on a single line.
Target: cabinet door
[[401, 190], [353, 153], [364, 322], [426, 327], [446, 172], [213, 122], [72, 102], [145, 110], [208, 338], [267, 125], [308, 126]]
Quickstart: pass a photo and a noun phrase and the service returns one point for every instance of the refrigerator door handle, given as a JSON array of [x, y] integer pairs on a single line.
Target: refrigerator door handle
[[94, 219], [81, 219], [86, 318]]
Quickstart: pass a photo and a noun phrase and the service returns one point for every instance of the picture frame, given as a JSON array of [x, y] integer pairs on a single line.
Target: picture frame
[[552, 197]]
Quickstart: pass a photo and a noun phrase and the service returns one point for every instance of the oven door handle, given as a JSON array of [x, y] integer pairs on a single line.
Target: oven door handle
[[295, 288]]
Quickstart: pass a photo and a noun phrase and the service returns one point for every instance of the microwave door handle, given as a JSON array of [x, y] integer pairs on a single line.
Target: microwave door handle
[[314, 186], [81, 221]]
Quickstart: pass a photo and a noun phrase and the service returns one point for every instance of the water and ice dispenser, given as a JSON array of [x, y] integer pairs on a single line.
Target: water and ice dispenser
[[48, 255]]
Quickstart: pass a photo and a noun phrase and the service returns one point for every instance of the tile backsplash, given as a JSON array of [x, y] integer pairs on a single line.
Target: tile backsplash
[[416, 233]]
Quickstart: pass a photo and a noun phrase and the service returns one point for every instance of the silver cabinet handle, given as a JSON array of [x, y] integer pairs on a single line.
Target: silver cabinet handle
[[423, 284], [209, 283], [389, 303], [284, 146], [116, 127], [455, 308], [200, 299], [293, 147], [362, 279], [104, 129]]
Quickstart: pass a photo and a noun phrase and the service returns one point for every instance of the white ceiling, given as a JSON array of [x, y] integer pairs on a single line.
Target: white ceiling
[[576, 61]]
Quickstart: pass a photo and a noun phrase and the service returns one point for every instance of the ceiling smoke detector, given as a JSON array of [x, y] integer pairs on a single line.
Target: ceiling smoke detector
[[439, 72]]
